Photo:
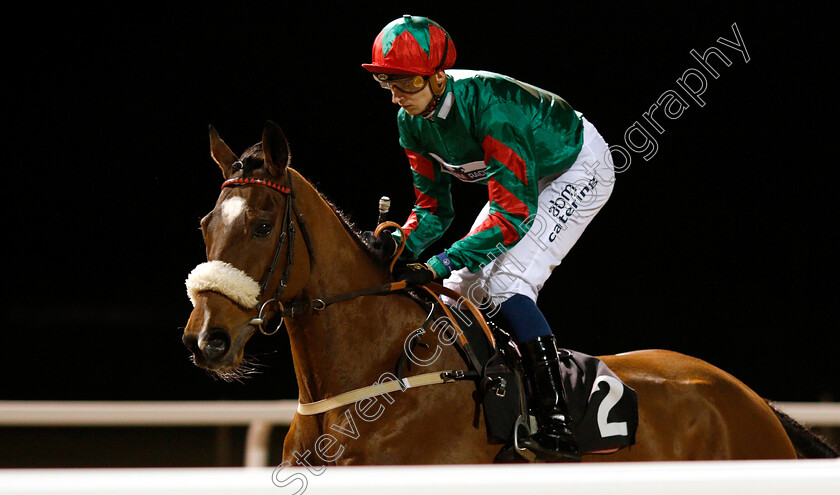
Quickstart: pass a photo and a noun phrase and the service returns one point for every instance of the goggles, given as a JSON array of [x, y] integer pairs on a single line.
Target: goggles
[[407, 84]]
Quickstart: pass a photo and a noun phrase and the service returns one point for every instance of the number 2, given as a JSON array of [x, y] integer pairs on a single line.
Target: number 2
[[616, 390]]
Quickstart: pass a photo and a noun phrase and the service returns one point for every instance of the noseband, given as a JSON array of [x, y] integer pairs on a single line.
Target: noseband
[[287, 233]]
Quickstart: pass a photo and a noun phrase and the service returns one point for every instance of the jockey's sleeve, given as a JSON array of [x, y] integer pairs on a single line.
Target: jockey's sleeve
[[432, 213], [512, 192]]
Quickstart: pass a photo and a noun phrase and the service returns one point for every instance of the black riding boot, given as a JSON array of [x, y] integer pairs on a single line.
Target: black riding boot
[[539, 357]]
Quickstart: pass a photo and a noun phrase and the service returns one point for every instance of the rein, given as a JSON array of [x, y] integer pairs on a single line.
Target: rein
[[288, 232], [307, 306]]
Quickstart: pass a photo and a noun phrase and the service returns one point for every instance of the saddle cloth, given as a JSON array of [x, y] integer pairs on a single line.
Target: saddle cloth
[[604, 410]]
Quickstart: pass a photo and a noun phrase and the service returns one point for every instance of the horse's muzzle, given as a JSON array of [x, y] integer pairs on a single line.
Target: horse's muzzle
[[216, 345], [191, 343], [210, 348]]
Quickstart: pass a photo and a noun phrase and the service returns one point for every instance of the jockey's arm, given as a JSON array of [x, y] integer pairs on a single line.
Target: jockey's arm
[[513, 196], [433, 212]]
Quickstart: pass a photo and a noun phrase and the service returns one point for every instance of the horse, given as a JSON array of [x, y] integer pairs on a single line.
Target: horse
[[278, 251]]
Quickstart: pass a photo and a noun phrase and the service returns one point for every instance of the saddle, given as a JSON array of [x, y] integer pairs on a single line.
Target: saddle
[[604, 410]]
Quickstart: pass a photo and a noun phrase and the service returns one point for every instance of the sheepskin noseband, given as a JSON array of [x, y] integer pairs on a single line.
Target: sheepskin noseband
[[226, 279]]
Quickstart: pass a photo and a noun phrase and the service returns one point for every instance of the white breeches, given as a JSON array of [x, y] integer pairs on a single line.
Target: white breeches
[[567, 203]]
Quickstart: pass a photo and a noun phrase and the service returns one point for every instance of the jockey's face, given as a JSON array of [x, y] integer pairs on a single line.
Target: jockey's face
[[413, 103]]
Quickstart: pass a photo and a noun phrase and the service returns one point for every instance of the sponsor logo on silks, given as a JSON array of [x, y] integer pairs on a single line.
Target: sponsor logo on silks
[[467, 172], [565, 205]]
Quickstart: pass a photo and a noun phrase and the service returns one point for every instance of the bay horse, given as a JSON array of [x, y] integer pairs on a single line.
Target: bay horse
[[279, 251]]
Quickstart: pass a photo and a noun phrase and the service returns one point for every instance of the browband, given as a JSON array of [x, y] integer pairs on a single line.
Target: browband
[[250, 180]]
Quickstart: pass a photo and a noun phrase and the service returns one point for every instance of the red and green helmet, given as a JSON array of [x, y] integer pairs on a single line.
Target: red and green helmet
[[412, 45]]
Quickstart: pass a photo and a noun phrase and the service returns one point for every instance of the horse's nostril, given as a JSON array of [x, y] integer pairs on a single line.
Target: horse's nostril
[[217, 344], [191, 343]]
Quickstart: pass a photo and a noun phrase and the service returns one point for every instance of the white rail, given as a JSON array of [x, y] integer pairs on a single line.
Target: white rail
[[145, 413], [259, 416], [820, 477], [813, 413]]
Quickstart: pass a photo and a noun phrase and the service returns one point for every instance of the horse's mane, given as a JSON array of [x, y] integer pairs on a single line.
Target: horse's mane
[[348, 225], [255, 152]]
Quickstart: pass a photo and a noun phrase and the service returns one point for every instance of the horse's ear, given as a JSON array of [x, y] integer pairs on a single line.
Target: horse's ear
[[275, 149], [221, 154]]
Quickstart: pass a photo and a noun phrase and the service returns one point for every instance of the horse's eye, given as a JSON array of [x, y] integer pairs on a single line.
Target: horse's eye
[[262, 228]]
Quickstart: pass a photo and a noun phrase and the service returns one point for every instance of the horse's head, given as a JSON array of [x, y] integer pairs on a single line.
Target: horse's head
[[255, 260]]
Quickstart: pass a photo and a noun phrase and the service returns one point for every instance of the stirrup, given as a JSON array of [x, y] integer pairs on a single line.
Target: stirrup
[[529, 450], [526, 448], [561, 451]]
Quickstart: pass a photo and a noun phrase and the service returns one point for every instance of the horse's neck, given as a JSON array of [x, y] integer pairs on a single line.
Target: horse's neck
[[350, 343]]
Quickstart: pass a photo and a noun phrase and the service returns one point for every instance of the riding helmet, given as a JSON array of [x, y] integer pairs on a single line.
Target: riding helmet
[[411, 45]]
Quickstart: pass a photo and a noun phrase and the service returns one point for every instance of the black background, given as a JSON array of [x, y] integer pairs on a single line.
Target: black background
[[722, 246]]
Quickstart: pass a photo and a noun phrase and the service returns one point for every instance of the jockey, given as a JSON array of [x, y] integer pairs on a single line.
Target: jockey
[[547, 173]]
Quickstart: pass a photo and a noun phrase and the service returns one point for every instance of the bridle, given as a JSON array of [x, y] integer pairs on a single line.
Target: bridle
[[307, 305], [287, 233]]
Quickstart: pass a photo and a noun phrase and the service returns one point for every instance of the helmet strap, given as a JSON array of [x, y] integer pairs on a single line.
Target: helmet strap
[[437, 89], [445, 52], [437, 93]]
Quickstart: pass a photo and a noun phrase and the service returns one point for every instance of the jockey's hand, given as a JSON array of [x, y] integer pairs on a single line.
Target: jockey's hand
[[384, 246], [415, 274]]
